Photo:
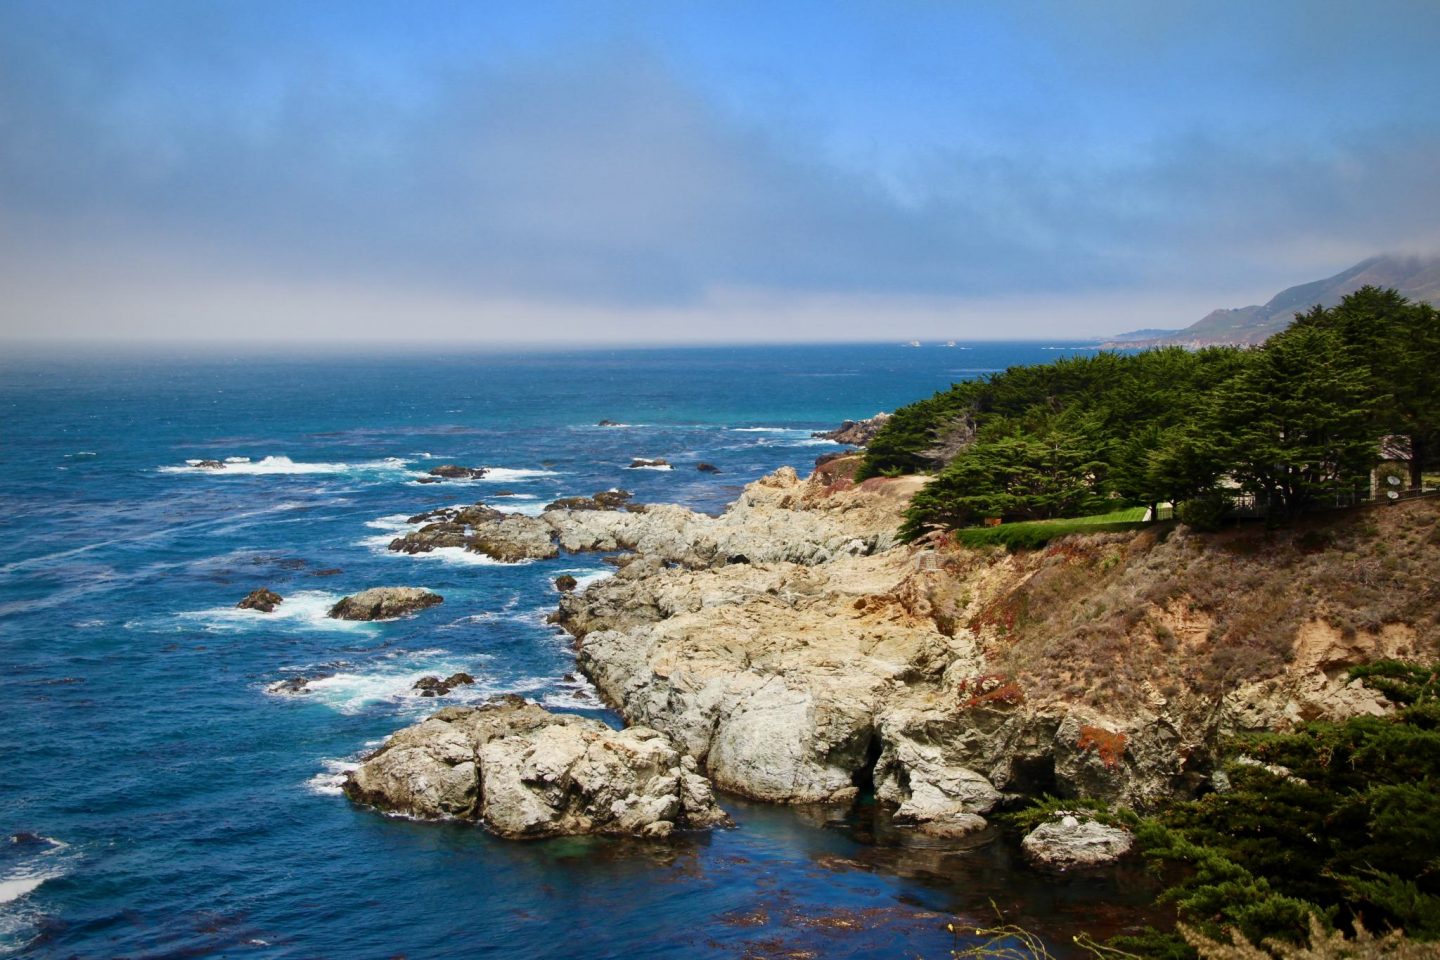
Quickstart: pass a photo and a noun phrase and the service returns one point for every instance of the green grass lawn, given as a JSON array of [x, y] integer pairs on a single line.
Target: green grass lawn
[[1033, 534]]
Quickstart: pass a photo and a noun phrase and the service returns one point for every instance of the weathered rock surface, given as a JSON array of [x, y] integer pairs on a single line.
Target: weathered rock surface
[[602, 500], [525, 772], [565, 583], [796, 667], [855, 432], [263, 599], [384, 603], [639, 463], [1075, 841]]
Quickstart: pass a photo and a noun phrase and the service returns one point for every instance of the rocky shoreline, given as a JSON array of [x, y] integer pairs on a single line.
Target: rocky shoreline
[[794, 652]]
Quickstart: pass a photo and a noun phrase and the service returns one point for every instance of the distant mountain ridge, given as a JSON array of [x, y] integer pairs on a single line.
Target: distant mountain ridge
[[1415, 277]]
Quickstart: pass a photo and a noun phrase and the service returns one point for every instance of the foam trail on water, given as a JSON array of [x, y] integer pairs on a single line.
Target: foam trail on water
[[282, 465]]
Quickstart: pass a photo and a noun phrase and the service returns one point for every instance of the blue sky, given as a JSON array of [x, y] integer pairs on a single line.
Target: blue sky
[[601, 171]]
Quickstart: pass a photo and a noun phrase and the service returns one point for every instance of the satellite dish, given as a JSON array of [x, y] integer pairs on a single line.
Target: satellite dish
[[1393, 480], [1392, 494]]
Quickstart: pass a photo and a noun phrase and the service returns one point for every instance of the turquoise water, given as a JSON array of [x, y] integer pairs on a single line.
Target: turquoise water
[[164, 804]]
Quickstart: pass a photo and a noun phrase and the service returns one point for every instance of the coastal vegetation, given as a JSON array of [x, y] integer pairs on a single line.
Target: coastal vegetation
[[1285, 428], [1327, 828]]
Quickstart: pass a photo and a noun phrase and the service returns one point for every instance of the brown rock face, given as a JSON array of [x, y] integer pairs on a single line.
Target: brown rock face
[[264, 599], [384, 603]]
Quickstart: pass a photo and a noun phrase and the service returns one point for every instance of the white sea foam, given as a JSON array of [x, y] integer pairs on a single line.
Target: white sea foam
[[509, 475], [528, 509], [283, 465], [394, 522], [767, 430], [659, 466], [801, 442], [393, 681], [380, 546], [328, 781], [306, 609], [50, 859], [585, 576]]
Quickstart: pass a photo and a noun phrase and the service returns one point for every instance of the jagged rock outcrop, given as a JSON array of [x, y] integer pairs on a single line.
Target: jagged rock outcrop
[[641, 463], [384, 603], [857, 433], [1074, 840], [1106, 666], [262, 599], [525, 772]]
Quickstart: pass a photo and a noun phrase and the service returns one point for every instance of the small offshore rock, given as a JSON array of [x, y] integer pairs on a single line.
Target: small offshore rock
[[435, 687], [428, 480], [264, 600], [565, 583], [384, 603], [1074, 842], [295, 686], [525, 772], [704, 467], [609, 423], [640, 462], [209, 465], [453, 471]]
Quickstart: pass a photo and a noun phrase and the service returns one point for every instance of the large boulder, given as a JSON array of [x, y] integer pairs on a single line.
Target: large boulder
[[525, 772], [263, 599], [1075, 841], [384, 603]]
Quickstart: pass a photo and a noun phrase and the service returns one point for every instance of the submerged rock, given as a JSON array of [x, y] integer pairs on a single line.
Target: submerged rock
[[704, 467], [295, 686], [264, 600], [609, 423], [453, 471], [1074, 841], [384, 603], [525, 772]]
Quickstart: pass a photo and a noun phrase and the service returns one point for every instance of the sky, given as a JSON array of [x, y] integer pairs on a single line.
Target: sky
[[354, 172]]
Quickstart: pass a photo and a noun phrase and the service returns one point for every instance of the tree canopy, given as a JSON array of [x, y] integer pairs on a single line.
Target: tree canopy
[[1291, 425]]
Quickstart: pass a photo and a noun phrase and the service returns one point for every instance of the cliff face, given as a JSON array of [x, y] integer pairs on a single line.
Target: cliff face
[[945, 678]]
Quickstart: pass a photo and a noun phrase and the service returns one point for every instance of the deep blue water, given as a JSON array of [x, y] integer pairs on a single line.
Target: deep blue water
[[187, 812]]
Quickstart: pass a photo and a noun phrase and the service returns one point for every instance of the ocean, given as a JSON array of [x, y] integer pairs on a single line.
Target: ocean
[[160, 801]]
